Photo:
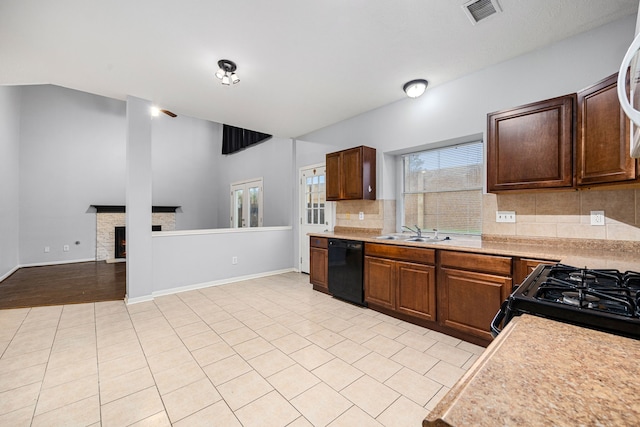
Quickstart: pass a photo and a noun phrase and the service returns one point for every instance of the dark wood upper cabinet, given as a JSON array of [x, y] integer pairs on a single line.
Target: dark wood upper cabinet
[[351, 174], [530, 147], [334, 175], [602, 145]]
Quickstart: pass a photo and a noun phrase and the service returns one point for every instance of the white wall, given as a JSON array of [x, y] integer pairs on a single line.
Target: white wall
[[185, 157], [459, 108], [139, 178], [271, 160], [183, 261], [9, 178], [72, 155]]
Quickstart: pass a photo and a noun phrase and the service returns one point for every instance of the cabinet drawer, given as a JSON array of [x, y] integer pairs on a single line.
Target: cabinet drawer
[[476, 262], [403, 253], [319, 242]]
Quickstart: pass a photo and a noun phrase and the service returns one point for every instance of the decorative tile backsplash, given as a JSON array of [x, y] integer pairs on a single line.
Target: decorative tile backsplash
[[379, 215], [547, 215], [565, 214]]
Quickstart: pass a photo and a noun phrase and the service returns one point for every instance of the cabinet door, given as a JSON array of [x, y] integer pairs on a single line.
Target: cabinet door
[[416, 290], [318, 273], [468, 301], [603, 136], [334, 176], [524, 267], [352, 173], [531, 146], [379, 282]]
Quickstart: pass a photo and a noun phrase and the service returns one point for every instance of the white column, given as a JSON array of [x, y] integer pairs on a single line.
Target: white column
[[138, 200]]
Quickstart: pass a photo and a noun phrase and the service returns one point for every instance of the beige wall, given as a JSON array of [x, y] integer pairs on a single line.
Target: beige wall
[[565, 214], [379, 215]]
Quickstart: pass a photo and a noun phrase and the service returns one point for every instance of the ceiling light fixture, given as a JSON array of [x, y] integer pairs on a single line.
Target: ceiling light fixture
[[155, 112], [415, 88], [226, 72]]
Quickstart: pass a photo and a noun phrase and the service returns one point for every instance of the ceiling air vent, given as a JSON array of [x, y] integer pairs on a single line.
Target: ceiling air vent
[[477, 10]]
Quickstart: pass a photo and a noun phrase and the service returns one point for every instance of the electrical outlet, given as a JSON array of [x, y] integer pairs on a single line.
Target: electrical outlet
[[65, 248], [361, 216], [505, 216], [234, 260], [47, 249], [348, 215], [597, 217]]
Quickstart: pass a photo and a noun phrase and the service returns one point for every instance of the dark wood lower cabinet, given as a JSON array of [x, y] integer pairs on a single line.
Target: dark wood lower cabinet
[[379, 282], [454, 292], [401, 279], [524, 266], [318, 264], [405, 287], [471, 288], [416, 290], [468, 301]]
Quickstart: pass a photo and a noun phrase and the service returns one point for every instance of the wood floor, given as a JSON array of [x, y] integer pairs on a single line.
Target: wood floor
[[63, 284]]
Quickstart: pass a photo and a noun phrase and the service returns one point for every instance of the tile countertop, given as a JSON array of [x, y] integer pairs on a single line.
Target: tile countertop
[[540, 372], [577, 257]]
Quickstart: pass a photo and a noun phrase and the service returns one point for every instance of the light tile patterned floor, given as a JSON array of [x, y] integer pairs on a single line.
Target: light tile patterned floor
[[263, 352]]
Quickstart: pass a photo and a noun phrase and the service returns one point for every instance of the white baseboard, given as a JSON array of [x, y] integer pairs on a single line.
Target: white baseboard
[[42, 264], [137, 300], [205, 285], [10, 272]]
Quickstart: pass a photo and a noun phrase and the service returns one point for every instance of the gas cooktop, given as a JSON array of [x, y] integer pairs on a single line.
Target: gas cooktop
[[607, 300]]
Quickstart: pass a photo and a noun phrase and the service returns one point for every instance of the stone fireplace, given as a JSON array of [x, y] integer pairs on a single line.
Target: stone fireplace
[[110, 217]]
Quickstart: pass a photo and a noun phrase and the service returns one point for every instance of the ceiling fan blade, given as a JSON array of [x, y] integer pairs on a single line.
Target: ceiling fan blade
[[169, 113]]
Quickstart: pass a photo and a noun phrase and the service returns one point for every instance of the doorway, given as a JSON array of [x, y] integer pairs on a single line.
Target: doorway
[[246, 204], [316, 214]]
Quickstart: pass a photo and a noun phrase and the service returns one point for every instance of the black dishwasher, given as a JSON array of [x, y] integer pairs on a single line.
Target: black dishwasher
[[346, 261]]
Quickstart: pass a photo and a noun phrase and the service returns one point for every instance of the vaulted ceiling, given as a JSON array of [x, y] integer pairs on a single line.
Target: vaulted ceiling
[[303, 64]]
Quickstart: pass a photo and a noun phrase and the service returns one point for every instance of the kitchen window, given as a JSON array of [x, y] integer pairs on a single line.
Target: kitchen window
[[442, 189]]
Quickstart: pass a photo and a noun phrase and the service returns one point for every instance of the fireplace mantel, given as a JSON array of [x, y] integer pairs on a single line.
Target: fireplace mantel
[[110, 217], [122, 208]]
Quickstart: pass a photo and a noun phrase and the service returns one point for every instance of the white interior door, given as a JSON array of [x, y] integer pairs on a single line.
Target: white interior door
[[316, 214], [246, 204]]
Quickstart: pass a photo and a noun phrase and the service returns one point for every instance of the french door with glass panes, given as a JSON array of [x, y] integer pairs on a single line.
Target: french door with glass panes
[[315, 212], [246, 204]]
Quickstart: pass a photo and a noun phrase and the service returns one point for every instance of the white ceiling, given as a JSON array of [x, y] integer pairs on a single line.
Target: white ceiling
[[303, 64]]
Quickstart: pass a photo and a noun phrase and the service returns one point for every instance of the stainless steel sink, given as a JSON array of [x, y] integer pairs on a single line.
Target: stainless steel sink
[[426, 239], [411, 238], [417, 239], [387, 237]]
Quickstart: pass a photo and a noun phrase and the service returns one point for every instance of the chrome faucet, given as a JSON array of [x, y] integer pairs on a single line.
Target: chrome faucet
[[435, 236], [417, 230]]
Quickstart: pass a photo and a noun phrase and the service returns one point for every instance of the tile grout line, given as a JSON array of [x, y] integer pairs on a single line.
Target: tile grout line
[[275, 301], [155, 383], [33, 416]]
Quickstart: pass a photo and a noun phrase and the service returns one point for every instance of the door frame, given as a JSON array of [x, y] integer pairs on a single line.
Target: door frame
[[329, 212], [246, 184]]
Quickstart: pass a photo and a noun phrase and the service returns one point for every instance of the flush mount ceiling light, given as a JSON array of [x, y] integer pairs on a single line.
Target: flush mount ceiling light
[[226, 73], [415, 88]]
